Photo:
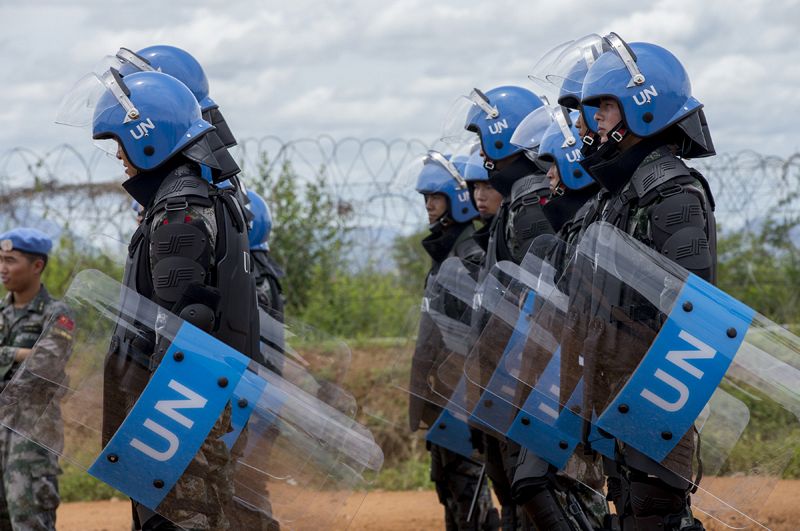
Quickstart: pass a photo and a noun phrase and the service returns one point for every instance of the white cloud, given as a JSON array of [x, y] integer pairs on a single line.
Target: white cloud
[[391, 69]]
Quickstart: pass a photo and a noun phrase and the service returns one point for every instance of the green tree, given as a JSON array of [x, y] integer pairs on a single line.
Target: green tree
[[309, 237], [762, 269], [412, 261]]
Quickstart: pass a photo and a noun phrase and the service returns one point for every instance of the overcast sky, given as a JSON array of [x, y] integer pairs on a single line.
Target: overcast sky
[[391, 69]]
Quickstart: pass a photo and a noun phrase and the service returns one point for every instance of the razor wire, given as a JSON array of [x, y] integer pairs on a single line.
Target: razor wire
[[66, 188]]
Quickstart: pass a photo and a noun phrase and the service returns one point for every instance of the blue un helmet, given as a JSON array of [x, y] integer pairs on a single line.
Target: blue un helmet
[[153, 117], [181, 65], [561, 145], [653, 91], [261, 225], [171, 60], [474, 171], [438, 174], [493, 116]]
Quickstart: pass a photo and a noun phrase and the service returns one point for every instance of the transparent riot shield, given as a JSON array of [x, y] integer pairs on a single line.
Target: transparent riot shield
[[437, 333], [185, 426], [508, 301], [307, 358], [301, 354], [680, 375], [448, 303]]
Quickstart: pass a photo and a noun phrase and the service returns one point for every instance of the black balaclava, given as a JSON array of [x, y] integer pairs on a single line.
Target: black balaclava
[[503, 180], [613, 168], [562, 208], [438, 244], [143, 186]]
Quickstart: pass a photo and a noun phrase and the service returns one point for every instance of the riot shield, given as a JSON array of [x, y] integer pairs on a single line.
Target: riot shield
[[498, 396], [679, 374], [301, 354], [206, 436], [307, 358], [438, 333], [448, 302], [508, 297]]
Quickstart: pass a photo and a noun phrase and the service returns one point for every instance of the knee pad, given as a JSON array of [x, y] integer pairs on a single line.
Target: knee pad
[[653, 497]]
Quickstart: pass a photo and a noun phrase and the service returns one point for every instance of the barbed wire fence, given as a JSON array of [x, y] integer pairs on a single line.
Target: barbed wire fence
[[80, 189]]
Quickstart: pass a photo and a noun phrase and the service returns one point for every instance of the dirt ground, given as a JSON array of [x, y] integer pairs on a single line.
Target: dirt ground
[[409, 511]]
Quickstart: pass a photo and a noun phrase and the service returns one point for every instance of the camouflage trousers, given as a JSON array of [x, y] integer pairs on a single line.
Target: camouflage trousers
[[29, 487], [205, 497]]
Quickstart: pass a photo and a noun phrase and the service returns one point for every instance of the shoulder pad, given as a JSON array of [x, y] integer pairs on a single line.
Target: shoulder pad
[[469, 250], [532, 184], [706, 187], [658, 169], [182, 183], [582, 212]]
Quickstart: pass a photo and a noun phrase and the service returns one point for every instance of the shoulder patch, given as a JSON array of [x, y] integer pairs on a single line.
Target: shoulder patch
[[65, 322]]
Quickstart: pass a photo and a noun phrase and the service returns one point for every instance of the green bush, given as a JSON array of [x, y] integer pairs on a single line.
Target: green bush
[[77, 485], [413, 474]]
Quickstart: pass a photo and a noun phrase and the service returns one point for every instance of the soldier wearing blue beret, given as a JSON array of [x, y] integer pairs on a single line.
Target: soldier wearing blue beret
[[35, 330]]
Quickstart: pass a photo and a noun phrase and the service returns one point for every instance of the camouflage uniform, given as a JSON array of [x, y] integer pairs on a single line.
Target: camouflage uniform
[[29, 490]]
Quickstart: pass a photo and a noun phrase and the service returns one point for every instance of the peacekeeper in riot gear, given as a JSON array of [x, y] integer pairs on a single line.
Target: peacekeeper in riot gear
[[537, 486], [190, 255], [494, 117], [650, 122], [450, 217], [486, 199], [267, 272], [181, 65]]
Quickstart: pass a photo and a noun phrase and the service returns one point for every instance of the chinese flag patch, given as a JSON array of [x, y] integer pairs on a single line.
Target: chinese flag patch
[[66, 323]]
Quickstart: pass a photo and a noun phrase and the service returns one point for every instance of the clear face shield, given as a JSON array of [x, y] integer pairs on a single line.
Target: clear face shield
[[530, 131], [423, 171], [461, 112], [627, 58], [125, 61], [85, 99], [563, 69], [90, 96]]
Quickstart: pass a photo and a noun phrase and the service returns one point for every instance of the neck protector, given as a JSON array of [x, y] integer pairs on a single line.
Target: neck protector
[[144, 185], [562, 208], [613, 168], [439, 244], [503, 180]]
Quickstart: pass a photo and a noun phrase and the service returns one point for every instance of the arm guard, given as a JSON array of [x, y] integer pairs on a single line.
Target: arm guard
[[678, 227]]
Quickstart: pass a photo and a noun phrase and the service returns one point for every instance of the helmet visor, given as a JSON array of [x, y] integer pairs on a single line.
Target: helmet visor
[[86, 99], [528, 134], [574, 61], [546, 65], [625, 60], [464, 110], [431, 173]]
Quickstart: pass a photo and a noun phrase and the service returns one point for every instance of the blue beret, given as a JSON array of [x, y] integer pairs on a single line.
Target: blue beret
[[27, 240]]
